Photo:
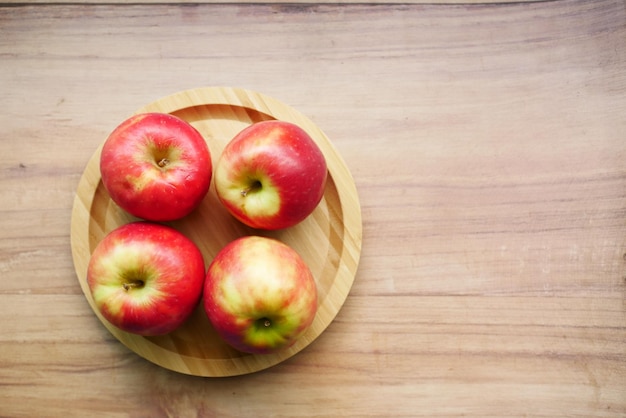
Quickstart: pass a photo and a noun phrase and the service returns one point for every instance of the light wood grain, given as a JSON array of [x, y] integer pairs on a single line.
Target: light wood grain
[[287, 3], [487, 146]]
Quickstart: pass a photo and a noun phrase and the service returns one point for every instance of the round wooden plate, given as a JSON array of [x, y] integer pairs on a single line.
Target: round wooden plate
[[329, 240]]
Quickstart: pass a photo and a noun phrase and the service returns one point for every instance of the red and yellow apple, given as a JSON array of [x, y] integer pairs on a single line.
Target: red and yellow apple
[[146, 278], [271, 175], [259, 295], [156, 166]]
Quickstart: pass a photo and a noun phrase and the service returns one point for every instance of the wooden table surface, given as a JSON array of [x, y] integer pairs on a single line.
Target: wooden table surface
[[487, 143]]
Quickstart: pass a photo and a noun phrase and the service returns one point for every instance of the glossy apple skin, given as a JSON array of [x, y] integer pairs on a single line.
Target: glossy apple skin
[[156, 166], [169, 264], [271, 175], [253, 280]]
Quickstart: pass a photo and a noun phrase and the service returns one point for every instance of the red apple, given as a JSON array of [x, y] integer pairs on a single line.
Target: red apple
[[146, 278], [271, 175], [156, 166], [259, 295]]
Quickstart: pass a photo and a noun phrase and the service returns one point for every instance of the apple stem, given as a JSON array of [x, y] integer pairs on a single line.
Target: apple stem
[[133, 284], [254, 186], [163, 162], [267, 323]]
